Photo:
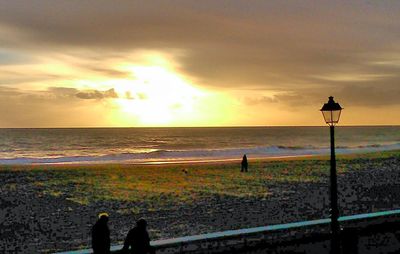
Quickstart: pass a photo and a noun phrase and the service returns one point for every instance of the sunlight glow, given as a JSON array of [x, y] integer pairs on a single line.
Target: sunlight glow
[[149, 90], [156, 95]]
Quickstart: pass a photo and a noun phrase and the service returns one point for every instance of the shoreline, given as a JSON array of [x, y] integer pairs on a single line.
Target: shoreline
[[173, 161], [179, 162], [195, 161]]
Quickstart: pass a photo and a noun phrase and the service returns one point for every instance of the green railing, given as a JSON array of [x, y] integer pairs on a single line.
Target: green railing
[[287, 230]]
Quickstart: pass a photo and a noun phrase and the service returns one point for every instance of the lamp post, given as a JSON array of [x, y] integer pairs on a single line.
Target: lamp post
[[331, 112]]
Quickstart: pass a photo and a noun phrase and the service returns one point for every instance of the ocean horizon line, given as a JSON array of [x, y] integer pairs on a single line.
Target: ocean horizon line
[[193, 127]]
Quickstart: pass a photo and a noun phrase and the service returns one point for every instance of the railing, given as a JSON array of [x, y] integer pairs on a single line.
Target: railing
[[273, 233]]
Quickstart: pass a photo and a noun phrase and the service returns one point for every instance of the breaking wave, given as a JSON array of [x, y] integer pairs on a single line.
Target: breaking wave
[[165, 155]]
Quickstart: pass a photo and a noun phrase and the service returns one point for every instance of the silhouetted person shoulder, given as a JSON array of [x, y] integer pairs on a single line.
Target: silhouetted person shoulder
[[101, 235], [138, 239], [244, 164]]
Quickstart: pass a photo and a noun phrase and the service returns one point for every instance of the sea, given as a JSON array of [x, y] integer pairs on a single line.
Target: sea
[[169, 145]]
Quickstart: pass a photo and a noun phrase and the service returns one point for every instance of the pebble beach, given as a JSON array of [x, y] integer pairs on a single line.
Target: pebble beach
[[36, 218]]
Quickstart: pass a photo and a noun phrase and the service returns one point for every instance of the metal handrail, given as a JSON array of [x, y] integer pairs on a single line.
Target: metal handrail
[[179, 241]]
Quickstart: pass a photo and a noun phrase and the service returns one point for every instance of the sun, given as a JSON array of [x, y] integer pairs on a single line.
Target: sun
[[156, 95]]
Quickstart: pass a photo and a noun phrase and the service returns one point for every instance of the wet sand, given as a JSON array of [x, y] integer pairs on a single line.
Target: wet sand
[[32, 220]]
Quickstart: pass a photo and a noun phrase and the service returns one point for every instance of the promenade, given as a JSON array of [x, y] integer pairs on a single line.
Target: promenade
[[362, 233]]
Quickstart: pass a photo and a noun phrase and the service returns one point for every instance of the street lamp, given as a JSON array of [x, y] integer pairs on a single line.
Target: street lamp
[[331, 112]]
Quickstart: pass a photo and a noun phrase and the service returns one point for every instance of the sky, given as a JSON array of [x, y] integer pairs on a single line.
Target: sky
[[97, 63]]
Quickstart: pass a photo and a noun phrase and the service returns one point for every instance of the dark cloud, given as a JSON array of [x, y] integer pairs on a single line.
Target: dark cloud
[[303, 51], [65, 92], [370, 95], [95, 94], [354, 95], [268, 44], [58, 93], [54, 107]]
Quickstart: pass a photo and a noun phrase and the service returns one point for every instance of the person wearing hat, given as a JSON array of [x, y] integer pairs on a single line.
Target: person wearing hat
[[138, 240], [101, 235]]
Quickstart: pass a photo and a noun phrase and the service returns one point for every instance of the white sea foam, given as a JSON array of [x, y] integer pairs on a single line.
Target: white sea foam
[[198, 154]]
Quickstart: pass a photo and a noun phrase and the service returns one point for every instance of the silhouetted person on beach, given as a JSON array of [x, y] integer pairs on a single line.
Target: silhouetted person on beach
[[101, 235], [138, 239], [244, 164]]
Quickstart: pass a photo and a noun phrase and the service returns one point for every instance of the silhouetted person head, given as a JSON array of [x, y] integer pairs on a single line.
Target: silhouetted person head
[[103, 218], [141, 223], [138, 241], [101, 235]]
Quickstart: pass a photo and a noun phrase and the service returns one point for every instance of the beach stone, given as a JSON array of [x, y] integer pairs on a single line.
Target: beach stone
[[47, 223]]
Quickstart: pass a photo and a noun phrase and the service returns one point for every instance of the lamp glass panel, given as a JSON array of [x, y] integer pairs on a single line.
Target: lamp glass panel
[[331, 116], [336, 115]]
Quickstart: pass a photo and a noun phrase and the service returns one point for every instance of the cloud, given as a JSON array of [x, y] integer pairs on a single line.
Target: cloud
[[95, 94], [52, 107], [269, 45], [370, 95], [10, 57], [301, 51], [355, 95], [108, 72], [64, 92], [259, 100], [57, 93]]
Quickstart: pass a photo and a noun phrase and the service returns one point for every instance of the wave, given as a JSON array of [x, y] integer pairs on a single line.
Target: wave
[[196, 154]]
